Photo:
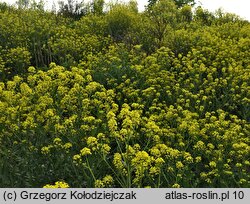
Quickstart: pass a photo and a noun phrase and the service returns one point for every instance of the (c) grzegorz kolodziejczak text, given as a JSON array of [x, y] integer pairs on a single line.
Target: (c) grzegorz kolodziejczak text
[[69, 195], [131, 195]]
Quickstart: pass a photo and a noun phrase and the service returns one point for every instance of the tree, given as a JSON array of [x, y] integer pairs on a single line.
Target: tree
[[179, 3], [97, 6], [151, 3], [71, 9], [3, 6], [121, 20], [37, 5], [163, 17], [204, 16], [186, 14], [23, 4]]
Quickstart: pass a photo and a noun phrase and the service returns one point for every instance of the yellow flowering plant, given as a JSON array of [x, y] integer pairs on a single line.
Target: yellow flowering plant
[[100, 101]]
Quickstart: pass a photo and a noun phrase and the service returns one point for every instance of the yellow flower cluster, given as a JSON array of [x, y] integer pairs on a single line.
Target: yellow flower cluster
[[106, 182], [149, 99], [161, 120], [58, 184], [57, 145]]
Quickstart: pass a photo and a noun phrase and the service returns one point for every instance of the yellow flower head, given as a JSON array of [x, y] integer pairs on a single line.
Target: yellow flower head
[[67, 145], [212, 164], [85, 151], [105, 148], [179, 165], [57, 141], [176, 185], [58, 184]]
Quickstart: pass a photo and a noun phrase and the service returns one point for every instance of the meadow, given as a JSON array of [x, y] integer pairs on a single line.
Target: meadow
[[121, 98]]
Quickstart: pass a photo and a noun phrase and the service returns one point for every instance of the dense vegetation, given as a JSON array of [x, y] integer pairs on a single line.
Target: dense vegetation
[[98, 95]]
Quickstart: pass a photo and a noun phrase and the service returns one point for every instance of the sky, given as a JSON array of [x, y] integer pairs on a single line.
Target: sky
[[239, 7]]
